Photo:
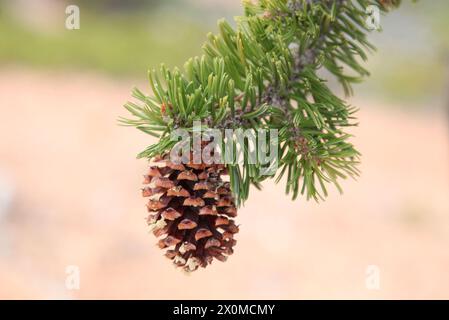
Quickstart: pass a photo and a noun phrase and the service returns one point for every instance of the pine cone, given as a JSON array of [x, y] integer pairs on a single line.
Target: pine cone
[[191, 206]]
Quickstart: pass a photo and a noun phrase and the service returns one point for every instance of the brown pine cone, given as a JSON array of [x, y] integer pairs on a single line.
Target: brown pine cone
[[191, 208]]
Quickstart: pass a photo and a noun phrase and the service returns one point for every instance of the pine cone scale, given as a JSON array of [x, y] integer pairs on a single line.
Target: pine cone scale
[[191, 208]]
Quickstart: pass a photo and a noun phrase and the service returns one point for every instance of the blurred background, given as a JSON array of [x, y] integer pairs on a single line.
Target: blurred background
[[70, 183]]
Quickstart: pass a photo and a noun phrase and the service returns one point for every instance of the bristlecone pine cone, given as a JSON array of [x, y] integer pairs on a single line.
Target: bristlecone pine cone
[[190, 208]]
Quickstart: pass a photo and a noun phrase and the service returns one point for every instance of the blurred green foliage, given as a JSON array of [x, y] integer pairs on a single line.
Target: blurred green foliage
[[121, 37], [410, 80], [411, 66], [115, 42]]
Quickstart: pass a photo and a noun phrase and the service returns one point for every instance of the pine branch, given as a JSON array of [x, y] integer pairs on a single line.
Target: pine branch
[[264, 75]]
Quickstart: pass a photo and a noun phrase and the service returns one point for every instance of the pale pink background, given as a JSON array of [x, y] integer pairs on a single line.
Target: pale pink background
[[77, 202]]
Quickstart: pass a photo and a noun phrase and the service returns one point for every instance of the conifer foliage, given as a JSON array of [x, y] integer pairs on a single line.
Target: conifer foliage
[[263, 74]]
